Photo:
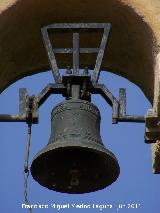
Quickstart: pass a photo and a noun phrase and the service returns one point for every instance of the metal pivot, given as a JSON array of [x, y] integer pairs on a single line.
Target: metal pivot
[[86, 87]]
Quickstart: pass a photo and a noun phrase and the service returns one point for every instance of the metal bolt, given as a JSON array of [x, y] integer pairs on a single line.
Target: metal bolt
[[68, 70], [85, 71]]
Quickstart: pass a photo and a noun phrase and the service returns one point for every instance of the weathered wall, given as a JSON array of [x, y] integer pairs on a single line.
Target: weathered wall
[[133, 50]]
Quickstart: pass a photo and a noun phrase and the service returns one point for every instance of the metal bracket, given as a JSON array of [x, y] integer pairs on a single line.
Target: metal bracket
[[152, 128], [29, 105], [48, 90], [118, 106], [28, 109], [123, 117], [76, 50], [110, 99]]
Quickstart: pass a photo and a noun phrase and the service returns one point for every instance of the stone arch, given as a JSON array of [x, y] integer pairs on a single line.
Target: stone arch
[[132, 51]]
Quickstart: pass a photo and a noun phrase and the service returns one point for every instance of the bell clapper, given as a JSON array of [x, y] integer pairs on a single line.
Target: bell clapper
[[75, 177], [74, 180]]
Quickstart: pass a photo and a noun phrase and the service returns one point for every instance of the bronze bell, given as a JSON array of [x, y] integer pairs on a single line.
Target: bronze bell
[[75, 159]]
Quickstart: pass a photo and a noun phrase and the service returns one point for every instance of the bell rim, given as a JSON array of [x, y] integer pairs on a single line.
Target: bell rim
[[96, 148]]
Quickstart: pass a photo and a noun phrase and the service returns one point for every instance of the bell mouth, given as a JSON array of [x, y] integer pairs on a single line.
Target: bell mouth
[[75, 169]]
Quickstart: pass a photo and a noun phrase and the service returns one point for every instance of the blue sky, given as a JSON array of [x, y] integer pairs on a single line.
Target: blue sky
[[136, 186]]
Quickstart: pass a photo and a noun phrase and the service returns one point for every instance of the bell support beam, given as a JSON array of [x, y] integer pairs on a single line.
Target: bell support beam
[[152, 133], [118, 107], [12, 118]]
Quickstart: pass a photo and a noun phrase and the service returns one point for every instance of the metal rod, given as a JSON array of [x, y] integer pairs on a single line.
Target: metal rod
[[12, 118], [115, 108], [122, 101], [100, 55], [70, 50], [132, 118], [104, 91], [76, 26], [22, 101], [76, 53], [52, 60], [75, 91], [48, 90]]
